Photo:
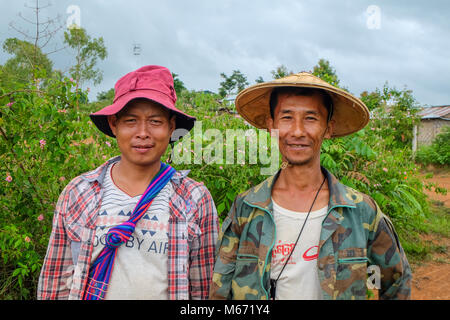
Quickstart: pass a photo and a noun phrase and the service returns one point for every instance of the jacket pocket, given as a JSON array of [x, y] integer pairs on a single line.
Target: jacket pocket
[[247, 253], [351, 274]]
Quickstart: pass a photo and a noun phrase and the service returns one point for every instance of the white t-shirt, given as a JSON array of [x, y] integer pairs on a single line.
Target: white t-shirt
[[299, 279], [140, 267]]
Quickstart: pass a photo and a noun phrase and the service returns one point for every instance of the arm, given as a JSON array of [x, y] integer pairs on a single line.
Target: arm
[[227, 247], [385, 250], [57, 269], [202, 257]]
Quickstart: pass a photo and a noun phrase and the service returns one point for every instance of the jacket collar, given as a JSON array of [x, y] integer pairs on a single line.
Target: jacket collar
[[260, 195]]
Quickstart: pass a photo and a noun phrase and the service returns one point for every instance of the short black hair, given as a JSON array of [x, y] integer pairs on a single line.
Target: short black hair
[[327, 101]]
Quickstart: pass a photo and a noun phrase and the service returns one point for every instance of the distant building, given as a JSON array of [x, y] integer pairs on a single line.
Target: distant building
[[431, 123]]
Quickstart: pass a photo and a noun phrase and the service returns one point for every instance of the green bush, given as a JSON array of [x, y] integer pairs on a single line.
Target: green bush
[[438, 152], [48, 139]]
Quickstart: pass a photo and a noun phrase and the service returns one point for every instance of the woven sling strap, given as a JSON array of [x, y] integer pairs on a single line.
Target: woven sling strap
[[101, 268]]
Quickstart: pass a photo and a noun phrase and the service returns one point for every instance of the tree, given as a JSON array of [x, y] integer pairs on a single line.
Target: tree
[[372, 100], [26, 61], [325, 71], [87, 52], [106, 95], [259, 80], [30, 63], [178, 85], [281, 72], [237, 81]]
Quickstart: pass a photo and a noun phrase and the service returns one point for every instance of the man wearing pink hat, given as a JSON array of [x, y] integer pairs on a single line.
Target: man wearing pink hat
[[134, 228]]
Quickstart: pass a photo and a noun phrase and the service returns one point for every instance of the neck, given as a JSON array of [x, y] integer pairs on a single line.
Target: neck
[[134, 178], [307, 177]]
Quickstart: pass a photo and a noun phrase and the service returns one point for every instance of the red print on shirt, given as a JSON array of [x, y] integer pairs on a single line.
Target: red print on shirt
[[307, 256]]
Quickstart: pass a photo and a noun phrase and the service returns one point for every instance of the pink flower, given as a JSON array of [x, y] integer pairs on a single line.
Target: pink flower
[[8, 178], [42, 143], [27, 239], [62, 111], [9, 104], [62, 178], [385, 169], [221, 168], [41, 217], [108, 143]]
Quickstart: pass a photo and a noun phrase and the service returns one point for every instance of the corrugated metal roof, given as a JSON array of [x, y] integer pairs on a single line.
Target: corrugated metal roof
[[437, 112]]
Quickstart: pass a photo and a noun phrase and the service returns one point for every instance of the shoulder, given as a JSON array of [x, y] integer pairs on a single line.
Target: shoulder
[[360, 199], [366, 208], [82, 188], [187, 187]]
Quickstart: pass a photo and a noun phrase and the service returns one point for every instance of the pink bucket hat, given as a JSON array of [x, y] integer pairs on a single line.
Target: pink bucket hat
[[150, 82]]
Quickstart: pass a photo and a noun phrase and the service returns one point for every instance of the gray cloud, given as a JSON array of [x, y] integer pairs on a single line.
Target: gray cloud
[[200, 39]]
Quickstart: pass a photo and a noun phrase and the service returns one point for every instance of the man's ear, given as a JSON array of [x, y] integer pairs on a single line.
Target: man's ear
[[330, 128], [112, 121], [172, 126]]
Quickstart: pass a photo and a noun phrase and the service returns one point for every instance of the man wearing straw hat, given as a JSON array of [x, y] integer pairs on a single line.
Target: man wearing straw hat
[[301, 234], [134, 228]]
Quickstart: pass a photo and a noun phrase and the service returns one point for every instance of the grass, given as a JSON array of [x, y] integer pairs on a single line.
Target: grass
[[423, 246]]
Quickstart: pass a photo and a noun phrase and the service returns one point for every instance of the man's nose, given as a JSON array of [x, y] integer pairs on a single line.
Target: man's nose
[[298, 128], [143, 130]]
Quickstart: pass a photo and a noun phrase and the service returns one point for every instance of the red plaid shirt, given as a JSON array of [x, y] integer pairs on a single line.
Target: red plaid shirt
[[193, 231]]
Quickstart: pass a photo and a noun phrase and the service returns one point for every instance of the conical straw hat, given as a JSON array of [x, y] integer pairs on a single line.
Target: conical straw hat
[[349, 113]]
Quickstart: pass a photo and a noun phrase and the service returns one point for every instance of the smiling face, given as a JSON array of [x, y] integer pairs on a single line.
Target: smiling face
[[143, 131], [302, 125]]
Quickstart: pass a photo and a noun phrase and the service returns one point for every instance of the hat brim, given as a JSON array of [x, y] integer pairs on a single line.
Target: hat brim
[[349, 113], [182, 120]]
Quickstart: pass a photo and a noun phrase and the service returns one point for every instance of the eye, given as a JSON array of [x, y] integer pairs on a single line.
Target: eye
[[130, 120]]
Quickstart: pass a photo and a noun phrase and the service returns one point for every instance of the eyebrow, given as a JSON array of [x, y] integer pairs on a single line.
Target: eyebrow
[[285, 111], [135, 115]]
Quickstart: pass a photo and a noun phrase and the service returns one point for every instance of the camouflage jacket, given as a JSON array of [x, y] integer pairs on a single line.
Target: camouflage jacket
[[355, 234]]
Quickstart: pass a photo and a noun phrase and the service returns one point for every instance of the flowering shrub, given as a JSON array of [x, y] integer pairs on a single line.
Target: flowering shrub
[[44, 144]]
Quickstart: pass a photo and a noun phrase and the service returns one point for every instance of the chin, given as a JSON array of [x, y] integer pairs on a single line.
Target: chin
[[299, 161]]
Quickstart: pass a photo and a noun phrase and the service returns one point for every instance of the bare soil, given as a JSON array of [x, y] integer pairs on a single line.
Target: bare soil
[[431, 280]]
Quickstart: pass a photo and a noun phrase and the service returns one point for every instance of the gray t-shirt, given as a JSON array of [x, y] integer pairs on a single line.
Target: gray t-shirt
[[140, 267]]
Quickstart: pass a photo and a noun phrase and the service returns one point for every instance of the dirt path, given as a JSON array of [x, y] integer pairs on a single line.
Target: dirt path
[[431, 280]]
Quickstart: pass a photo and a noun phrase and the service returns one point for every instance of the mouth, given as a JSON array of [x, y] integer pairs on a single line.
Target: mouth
[[142, 148], [297, 147]]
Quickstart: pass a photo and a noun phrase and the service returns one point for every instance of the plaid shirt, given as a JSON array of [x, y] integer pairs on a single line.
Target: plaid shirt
[[193, 232]]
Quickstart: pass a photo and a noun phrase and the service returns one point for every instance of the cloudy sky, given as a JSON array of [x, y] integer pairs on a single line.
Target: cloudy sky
[[404, 43]]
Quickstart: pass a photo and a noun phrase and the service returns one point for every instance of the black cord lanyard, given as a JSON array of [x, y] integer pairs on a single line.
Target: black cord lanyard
[[273, 283]]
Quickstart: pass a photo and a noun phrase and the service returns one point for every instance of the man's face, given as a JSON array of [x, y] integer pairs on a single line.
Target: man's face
[[302, 125], [143, 132]]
